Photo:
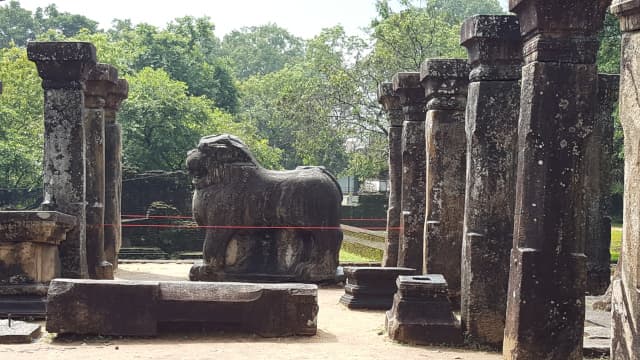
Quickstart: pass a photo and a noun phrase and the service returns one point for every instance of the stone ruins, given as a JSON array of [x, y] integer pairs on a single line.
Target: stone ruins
[[65, 237], [393, 110], [445, 83], [626, 289], [269, 310], [493, 107], [410, 248], [532, 231], [498, 219]]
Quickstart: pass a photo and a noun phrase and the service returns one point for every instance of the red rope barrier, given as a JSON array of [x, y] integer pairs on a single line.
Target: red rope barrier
[[242, 227], [190, 217]]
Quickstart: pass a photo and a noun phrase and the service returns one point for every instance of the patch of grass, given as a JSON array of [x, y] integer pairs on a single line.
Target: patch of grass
[[349, 257], [616, 243]]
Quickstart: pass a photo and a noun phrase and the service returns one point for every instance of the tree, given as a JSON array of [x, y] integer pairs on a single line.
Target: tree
[[609, 62], [609, 52], [65, 23], [188, 56], [259, 50], [161, 122], [404, 39], [16, 25], [310, 109], [21, 124]]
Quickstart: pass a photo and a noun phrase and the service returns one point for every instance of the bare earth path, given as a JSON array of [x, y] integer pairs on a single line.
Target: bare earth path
[[342, 334]]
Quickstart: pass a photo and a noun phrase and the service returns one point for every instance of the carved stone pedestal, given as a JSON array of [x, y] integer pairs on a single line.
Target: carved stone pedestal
[[142, 308], [371, 287], [422, 312], [29, 258]]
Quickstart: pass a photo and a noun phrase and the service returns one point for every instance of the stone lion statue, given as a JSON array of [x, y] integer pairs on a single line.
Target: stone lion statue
[[262, 224]]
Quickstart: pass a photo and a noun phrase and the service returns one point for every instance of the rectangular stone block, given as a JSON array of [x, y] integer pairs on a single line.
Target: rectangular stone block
[[18, 332], [422, 312], [96, 307], [371, 287], [116, 308]]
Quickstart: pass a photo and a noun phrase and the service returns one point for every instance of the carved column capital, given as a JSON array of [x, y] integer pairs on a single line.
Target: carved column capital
[[407, 87], [629, 13], [118, 93], [390, 102], [560, 31], [445, 83], [102, 78], [62, 65], [494, 46]]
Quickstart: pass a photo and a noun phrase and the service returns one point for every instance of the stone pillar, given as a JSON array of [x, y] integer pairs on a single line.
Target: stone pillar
[[101, 79], [445, 83], [113, 171], [407, 87], [63, 67], [625, 344], [545, 307], [493, 107], [391, 105], [598, 152]]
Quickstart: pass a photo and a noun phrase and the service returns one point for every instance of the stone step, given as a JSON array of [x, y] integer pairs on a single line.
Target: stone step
[[142, 253], [140, 308], [23, 307]]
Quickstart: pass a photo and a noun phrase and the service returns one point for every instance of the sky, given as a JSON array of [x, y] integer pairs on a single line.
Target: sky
[[304, 18]]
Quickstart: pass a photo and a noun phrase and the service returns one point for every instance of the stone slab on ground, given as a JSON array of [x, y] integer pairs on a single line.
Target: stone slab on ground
[[139, 308], [19, 332], [597, 330]]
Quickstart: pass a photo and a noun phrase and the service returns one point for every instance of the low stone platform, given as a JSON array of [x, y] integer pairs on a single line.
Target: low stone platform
[[18, 332], [29, 259], [140, 308], [371, 287], [422, 312]]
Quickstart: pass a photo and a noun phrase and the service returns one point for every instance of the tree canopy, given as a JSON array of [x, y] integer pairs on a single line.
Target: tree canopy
[[294, 101]]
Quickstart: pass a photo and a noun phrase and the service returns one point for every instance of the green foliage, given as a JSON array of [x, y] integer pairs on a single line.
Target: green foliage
[[609, 53], [616, 243], [259, 50], [456, 11], [161, 122], [348, 257], [187, 51], [311, 108], [404, 39], [18, 25], [21, 125], [609, 62], [65, 23]]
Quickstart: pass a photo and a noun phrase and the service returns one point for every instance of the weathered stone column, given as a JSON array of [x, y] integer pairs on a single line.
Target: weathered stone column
[[625, 344], [391, 105], [545, 307], [598, 152], [407, 86], [101, 79], [113, 172], [493, 107], [63, 67], [445, 83]]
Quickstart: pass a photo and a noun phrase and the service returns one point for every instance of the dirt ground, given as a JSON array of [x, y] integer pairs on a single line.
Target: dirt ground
[[342, 334]]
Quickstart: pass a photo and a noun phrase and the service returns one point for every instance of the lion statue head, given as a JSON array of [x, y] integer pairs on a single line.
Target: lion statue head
[[215, 156]]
